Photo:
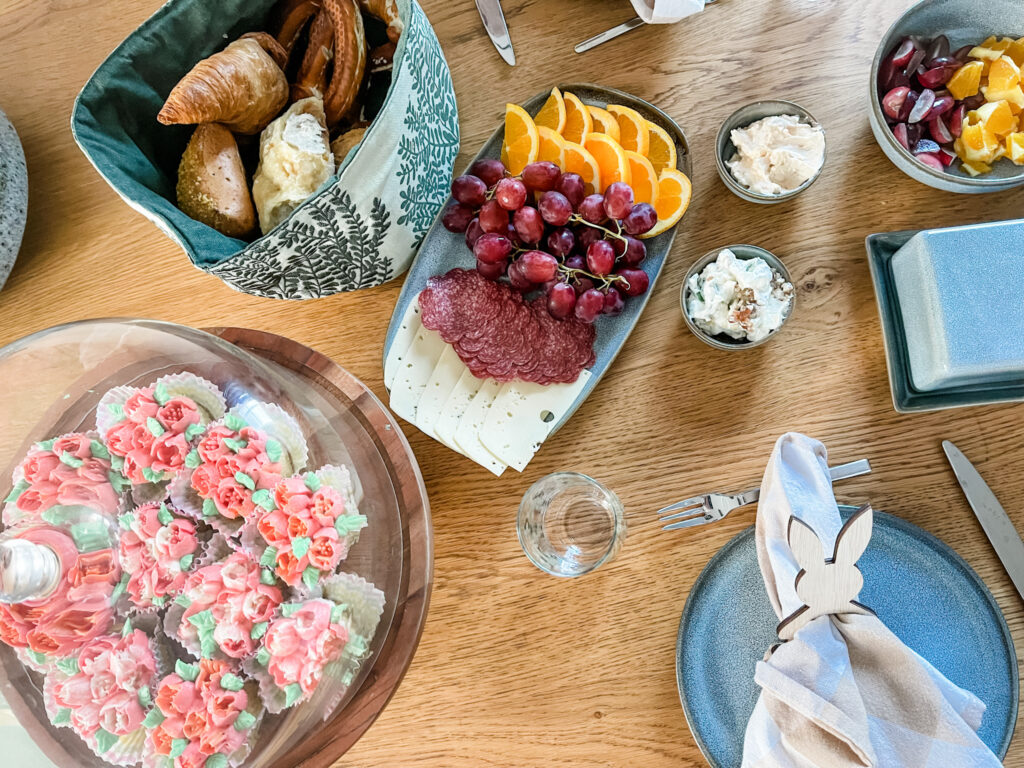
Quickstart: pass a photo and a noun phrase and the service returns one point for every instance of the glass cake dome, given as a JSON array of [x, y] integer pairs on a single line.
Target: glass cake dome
[[319, 500]]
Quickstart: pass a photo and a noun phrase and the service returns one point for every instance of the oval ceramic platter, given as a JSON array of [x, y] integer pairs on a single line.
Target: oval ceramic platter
[[425, 376], [923, 591], [13, 196]]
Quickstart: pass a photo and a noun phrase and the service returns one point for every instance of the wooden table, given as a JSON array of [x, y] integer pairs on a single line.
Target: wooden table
[[517, 668]]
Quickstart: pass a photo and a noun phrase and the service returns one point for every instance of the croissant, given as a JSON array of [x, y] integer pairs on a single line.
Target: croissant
[[241, 87], [349, 59], [211, 182], [386, 11]]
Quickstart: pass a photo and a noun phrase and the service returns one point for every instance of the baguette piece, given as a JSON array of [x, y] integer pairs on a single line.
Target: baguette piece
[[211, 182]]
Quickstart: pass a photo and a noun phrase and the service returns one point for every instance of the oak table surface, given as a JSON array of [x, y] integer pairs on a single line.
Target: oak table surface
[[516, 668]]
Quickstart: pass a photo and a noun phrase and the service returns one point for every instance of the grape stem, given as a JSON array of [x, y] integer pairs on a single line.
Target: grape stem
[[577, 219], [605, 280]]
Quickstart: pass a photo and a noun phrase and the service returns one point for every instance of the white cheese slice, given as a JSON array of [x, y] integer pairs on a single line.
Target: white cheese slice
[[523, 415], [414, 371], [442, 381], [458, 401], [467, 435], [400, 344]]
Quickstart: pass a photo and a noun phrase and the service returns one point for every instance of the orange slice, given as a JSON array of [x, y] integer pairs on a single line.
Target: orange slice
[[633, 131], [552, 114], [643, 179], [662, 151], [996, 117], [552, 146], [966, 81], [579, 160], [522, 142], [611, 159], [604, 121], [1004, 74], [674, 193], [578, 122]]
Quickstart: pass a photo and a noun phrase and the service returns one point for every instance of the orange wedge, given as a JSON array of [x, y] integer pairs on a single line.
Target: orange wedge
[[578, 122], [662, 151], [633, 131], [552, 114], [611, 159], [552, 146], [579, 160], [522, 141], [674, 192], [604, 121], [643, 179]]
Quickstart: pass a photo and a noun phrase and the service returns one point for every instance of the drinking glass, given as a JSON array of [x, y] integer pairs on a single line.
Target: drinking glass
[[569, 524]]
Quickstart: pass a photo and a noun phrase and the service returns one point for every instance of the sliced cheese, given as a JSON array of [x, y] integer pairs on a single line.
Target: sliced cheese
[[458, 401], [442, 382], [402, 340], [467, 434], [414, 371], [523, 415]]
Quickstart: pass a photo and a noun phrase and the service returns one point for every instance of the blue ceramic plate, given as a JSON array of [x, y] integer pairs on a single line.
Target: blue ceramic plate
[[921, 589]]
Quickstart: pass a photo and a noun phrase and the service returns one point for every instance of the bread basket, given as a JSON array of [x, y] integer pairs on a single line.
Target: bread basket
[[360, 229]]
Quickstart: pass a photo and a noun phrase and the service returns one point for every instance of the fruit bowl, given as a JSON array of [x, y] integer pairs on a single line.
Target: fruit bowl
[[57, 377], [963, 22]]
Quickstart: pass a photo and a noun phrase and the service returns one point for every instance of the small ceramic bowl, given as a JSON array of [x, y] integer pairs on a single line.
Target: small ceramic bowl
[[721, 341], [725, 150]]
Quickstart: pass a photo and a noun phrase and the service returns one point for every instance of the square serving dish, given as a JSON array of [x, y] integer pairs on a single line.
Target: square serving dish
[[951, 336]]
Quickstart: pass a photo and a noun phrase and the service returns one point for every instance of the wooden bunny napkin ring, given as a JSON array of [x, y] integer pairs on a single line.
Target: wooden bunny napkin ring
[[827, 587]]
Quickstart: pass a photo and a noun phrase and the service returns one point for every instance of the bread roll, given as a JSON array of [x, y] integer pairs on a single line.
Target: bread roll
[[211, 182]]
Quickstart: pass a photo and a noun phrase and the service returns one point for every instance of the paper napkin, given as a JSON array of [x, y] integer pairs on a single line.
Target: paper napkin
[[845, 692], [666, 11]]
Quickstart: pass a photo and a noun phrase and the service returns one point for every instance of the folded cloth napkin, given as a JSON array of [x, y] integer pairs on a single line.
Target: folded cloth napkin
[[845, 692], [666, 11]]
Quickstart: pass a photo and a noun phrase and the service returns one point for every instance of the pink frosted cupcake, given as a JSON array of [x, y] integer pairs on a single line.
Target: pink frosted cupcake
[[205, 717], [72, 470], [158, 548], [103, 694], [224, 608]]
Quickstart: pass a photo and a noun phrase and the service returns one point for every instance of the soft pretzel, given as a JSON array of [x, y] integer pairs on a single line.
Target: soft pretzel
[[349, 59], [291, 17], [312, 76], [386, 11]]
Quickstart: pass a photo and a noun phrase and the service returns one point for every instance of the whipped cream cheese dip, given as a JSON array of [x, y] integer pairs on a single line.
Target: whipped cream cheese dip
[[777, 154]]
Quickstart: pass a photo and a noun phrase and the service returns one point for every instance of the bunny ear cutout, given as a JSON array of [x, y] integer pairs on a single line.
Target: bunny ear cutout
[[806, 545], [854, 537]]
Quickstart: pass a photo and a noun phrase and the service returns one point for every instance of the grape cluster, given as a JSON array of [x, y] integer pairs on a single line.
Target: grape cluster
[[542, 231]]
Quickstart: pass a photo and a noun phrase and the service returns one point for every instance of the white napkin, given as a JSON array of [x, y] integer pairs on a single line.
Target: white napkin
[[666, 11], [845, 692]]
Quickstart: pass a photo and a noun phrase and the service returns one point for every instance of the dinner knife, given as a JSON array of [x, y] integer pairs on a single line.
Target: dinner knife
[[993, 518], [497, 29]]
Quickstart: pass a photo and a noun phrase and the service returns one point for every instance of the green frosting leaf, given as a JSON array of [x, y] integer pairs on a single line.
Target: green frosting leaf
[[183, 600], [20, 487], [267, 577], [116, 410], [346, 525], [235, 445], [38, 658], [312, 481], [71, 461], [98, 450], [127, 628], [186, 671], [258, 630], [68, 666], [263, 655], [177, 747], [310, 577], [47, 445], [126, 520], [164, 515], [338, 613], [269, 557], [155, 427], [274, 450], [144, 696], [160, 393], [186, 562], [300, 546], [118, 480], [117, 462], [230, 682], [63, 716], [153, 718], [245, 720], [209, 508], [233, 422], [192, 431], [243, 479], [207, 645], [292, 693], [264, 498], [159, 600], [119, 590], [150, 475], [203, 620], [104, 740], [216, 760], [192, 459], [356, 645], [90, 535], [289, 609]]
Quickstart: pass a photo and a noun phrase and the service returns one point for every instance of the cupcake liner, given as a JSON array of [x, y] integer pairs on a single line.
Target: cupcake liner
[[363, 601], [37, 662], [203, 393], [105, 418]]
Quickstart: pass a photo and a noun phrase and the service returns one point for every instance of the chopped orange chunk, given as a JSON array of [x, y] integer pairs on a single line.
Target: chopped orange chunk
[[1015, 96], [976, 169], [1004, 74], [1015, 148], [966, 81], [977, 144], [1016, 52], [996, 117]]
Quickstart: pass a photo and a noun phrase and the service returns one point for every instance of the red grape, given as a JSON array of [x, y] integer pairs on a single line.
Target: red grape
[[561, 300], [513, 236], [641, 219], [576, 262], [893, 101], [473, 232], [555, 208], [600, 257], [510, 194], [518, 279], [541, 176], [940, 131], [592, 209], [493, 271], [456, 217], [587, 235], [931, 160], [571, 185], [528, 224], [493, 218], [900, 131], [618, 200], [561, 241], [583, 285], [901, 56], [589, 305], [923, 105], [908, 105], [537, 266], [613, 302], [637, 279], [956, 120], [490, 171], [492, 248], [635, 252]]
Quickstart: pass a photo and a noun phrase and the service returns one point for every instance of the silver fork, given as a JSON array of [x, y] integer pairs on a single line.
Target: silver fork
[[711, 507]]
